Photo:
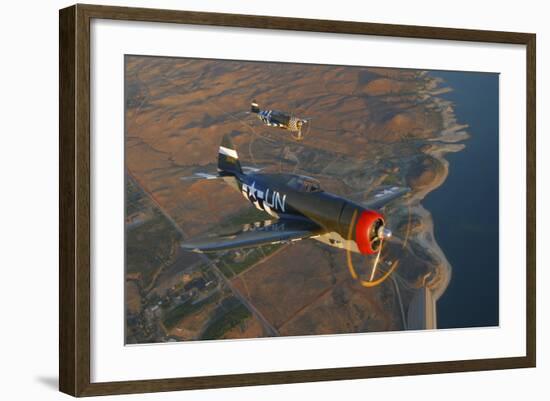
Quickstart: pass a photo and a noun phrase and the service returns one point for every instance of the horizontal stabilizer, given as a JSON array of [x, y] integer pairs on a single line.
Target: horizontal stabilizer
[[221, 174], [247, 169], [202, 176]]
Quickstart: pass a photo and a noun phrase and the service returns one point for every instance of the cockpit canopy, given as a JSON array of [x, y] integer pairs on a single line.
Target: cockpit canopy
[[280, 117], [304, 184]]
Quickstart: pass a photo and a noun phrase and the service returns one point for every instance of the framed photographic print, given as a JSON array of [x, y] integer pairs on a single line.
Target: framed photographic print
[[251, 200]]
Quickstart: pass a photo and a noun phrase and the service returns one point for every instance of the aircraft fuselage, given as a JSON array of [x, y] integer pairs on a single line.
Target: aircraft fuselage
[[348, 225]]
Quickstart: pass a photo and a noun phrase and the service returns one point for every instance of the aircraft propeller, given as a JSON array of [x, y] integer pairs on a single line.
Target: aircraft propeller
[[377, 276]]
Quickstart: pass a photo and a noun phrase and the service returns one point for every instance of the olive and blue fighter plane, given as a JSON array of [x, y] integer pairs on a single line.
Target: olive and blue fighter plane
[[280, 119], [300, 210]]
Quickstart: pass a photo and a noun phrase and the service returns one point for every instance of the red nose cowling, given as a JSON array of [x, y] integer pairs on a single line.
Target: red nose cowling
[[364, 230]]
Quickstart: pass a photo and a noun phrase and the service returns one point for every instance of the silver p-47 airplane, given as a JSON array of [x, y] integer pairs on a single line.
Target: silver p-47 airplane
[[280, 119]]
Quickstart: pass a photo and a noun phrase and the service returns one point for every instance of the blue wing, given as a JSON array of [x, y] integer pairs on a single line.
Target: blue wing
[[384, 196], [255, 234]]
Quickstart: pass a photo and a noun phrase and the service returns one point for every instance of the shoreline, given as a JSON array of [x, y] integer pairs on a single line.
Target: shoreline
[[448, 140]]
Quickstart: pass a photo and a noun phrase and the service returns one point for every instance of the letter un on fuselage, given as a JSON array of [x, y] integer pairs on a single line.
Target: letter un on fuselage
[[269, 200]]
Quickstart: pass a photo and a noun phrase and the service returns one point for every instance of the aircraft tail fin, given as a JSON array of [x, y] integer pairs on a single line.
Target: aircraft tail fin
[[254, 108], [228, 159]]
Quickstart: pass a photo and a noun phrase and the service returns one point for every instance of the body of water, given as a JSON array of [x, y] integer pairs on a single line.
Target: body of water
[[465, 208]]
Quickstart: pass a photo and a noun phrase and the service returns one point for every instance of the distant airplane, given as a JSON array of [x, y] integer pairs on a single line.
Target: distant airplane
[[274, 118], [300, 208]]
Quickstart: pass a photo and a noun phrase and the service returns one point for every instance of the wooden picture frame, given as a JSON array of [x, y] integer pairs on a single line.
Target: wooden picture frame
[[74, 203]]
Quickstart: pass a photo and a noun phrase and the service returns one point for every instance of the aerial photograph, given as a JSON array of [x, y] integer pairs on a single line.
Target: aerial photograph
[[267, 199]]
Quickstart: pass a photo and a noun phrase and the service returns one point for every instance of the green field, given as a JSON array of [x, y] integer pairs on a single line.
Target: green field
[[237, 314], [174, 315], [150, 246]]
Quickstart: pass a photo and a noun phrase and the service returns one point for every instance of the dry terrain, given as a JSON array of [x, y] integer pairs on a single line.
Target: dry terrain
[[369, 127]]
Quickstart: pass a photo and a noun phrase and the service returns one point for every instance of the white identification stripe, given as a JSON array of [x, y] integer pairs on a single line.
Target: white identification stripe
[[270, 211], [228, 152], [206, 176]]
